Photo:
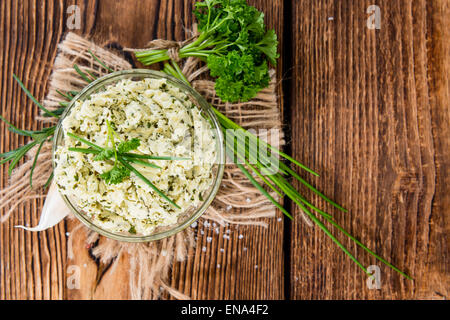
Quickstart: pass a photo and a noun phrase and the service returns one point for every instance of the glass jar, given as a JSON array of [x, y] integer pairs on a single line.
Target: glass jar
[[186, 218]]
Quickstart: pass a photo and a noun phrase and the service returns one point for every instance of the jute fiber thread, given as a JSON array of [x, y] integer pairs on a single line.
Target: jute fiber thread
[[238, 202]]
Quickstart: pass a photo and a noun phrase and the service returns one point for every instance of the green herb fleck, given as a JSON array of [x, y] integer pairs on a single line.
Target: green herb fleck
[[132, 230]]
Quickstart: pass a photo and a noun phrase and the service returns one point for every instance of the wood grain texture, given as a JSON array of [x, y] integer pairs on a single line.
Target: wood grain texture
[[32, 265], [235, 268], [370, 113], [368, 109]]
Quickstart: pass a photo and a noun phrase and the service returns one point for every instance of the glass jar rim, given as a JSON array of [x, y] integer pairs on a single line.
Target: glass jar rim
[[202, 103]]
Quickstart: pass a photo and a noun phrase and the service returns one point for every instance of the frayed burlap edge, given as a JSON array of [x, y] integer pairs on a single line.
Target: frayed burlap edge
[[237, 202]]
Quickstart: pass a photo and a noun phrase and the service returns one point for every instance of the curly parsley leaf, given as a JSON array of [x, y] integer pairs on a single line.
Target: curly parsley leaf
[[128, 146], [238, 76], [116, 175], [240, 66], [235, 43], [269, 45], [105, 154]]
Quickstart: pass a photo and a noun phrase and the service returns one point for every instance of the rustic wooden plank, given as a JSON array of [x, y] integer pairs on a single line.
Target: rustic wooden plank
[[437, 61], [251, 268], [235, 268], [382, 152], [31, 265], [370, 113], [39, 272]]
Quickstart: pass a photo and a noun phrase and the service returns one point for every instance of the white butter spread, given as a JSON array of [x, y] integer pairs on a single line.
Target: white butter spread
[[167, 124]]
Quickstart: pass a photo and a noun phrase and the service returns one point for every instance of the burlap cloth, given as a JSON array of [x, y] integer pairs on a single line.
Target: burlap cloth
[[237, 202]]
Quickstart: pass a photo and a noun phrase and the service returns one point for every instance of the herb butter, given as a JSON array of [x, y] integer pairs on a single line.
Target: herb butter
[[167, 123]]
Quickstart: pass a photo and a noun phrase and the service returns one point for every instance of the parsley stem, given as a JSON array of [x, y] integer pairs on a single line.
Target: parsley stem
[[179, 71]]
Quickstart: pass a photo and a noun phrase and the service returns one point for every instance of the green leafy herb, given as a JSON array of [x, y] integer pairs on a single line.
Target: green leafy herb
[[236, 45], [132, 230], [128, 146], [116, 175], [104, 155], [238, 78]]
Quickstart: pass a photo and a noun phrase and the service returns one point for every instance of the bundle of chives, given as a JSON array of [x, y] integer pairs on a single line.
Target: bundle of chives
[[245, 151]]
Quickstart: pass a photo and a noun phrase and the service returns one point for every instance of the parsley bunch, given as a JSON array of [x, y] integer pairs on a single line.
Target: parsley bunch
[[235, 44]]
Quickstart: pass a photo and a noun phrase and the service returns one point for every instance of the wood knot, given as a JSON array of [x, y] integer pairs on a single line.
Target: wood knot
[[407, 182]]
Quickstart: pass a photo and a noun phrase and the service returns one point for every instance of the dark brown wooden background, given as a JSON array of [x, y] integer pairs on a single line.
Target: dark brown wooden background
[[368, 109]]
